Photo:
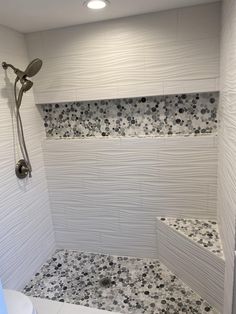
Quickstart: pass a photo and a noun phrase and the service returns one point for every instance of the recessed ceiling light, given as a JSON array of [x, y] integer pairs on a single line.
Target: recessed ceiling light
[[96, 4]]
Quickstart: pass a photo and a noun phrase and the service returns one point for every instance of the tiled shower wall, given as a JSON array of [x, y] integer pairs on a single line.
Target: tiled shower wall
[[168, 52], [26, 231], [130, 160], [106, 192], [227, 149]]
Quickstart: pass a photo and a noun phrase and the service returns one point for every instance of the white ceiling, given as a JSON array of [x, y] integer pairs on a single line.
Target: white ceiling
[[36, 15]]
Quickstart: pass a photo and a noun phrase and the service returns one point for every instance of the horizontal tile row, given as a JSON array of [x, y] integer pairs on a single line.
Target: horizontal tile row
[[166, 52], [181, 114]]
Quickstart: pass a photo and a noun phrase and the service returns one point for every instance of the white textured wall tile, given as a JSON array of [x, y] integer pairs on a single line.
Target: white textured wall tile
[[106, 193], [227, 147], [199, 22], [234, 298], [189, 86], [186, 60], [12, 42], [129, 57], [26, 232]]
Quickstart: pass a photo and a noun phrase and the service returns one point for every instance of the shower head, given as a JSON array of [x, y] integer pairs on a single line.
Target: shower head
[[26, 84], [32, 69]]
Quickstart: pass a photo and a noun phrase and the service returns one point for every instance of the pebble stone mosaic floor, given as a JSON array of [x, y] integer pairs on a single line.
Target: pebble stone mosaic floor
[[204, 232], [114, 283]]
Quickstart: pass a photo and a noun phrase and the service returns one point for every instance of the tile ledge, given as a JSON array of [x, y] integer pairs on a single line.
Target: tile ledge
[[185, 226]]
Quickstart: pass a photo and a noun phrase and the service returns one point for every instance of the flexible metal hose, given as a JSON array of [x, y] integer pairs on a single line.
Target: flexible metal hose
[[20, 130]]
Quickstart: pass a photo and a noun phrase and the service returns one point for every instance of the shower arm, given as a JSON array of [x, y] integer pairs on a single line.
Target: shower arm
[[20, 74], [6, 65]]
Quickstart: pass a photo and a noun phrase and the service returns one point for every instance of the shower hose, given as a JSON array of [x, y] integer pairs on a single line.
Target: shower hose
[[20, 131]]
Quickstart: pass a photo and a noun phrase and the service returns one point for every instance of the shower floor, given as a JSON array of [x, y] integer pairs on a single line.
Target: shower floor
[[131, 285]]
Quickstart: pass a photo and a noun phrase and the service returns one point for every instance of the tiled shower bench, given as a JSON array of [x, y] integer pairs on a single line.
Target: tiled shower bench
[[192, 249]]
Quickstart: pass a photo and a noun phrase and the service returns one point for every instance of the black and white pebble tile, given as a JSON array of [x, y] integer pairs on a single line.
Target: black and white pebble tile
[[204, 232], [183, 114], [114, 283]]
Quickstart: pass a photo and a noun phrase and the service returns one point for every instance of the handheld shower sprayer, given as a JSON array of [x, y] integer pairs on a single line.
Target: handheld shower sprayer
[[23, 167]]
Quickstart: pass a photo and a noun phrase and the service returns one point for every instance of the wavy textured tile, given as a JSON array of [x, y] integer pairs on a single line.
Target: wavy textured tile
[[106, 193], [227, 149], [129, 57], [26, 232], [116, 194]]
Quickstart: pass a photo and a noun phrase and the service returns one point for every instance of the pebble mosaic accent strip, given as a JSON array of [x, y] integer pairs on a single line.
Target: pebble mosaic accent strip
[[204, 232], [113, 283], [184, 114]]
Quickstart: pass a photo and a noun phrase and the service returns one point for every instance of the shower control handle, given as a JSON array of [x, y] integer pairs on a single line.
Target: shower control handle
[[21, 169]]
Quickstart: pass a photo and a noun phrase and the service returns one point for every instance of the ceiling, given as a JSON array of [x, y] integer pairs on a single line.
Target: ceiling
[[36, 15]]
